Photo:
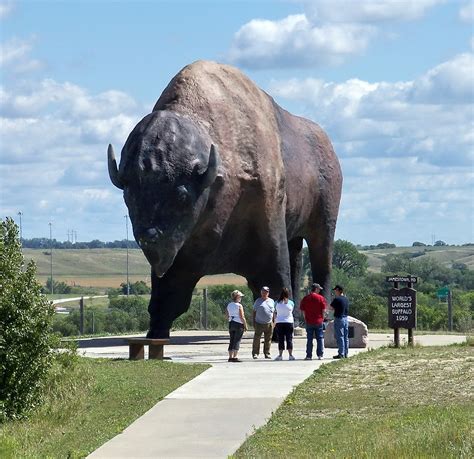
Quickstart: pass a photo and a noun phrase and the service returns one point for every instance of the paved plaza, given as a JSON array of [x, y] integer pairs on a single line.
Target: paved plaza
[[212, 415]]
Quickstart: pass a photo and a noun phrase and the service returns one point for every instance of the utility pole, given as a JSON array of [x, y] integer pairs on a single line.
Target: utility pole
[[20, 213], [126, 228], [450, 311], [51, 253]]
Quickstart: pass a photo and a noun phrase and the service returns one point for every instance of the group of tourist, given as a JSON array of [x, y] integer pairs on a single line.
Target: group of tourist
[[276, 318]]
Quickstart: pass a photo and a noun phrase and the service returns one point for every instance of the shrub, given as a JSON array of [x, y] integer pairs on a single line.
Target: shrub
[[137, 288], [26, 339], [137, 309]]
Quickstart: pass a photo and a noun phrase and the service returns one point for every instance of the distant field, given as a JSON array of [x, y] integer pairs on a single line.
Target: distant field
[[445, 255], [105, 268]]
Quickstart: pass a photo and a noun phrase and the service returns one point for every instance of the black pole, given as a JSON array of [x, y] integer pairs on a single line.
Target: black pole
[[81, 312], [396, 330], [128, 281], [205, 307], [450, 311], [51, 255], [410, 330]]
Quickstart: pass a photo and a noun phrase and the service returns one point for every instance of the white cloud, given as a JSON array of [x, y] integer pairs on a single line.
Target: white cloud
[[431, 116], [451, 81], [53, 163], [6, 7], [15, 56], [406, 149], [368, 10], [295, 41], [466, 12], [328, 32]]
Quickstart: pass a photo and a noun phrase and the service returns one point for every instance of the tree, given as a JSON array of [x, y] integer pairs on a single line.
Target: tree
[[347, 258], [440, 243], [137, 288], [58, 287], [385, 245], [26, 340], [418, 244]]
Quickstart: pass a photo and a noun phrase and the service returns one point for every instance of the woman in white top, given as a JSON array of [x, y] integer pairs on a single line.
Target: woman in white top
[[284, 321], [237, 324]]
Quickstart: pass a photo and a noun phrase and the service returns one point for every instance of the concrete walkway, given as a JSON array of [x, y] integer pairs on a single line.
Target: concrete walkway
[[212, 415]]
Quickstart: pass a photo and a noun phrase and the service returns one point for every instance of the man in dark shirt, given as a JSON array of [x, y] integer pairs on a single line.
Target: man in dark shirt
[[313, 307], [340, 305]]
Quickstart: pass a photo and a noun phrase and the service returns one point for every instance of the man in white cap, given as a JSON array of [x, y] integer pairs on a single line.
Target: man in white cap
[[263, 309]]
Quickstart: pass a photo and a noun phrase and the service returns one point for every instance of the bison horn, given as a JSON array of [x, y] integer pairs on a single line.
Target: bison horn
[[210, 175], [113, 171]]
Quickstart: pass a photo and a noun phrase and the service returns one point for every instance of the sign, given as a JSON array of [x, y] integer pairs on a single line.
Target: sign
[[442, 292], [402, 308], [411, 279]]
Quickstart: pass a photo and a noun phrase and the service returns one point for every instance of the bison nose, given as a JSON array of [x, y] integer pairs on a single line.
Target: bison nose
[[150, 235]]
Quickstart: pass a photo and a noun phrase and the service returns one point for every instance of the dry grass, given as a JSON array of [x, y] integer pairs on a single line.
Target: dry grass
[[115, 281], [389, 403], [105, 268], [445, 255]]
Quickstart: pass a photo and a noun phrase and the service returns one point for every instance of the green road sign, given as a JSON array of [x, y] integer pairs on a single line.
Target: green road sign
[[443, 292]]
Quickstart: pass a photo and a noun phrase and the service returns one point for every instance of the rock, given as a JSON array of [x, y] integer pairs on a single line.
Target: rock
[[358, 334], [298, 331]]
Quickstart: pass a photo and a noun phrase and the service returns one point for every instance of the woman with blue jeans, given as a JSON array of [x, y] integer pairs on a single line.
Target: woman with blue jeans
[[340, 305]]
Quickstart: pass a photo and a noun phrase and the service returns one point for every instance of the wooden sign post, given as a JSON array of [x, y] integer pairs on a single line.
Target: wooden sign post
[[402, 307]]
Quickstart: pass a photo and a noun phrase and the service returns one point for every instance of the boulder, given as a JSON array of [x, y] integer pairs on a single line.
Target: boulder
[[298, 331], [358, 334]]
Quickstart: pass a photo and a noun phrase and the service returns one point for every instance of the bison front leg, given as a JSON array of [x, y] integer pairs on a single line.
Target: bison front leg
[[170, 297]]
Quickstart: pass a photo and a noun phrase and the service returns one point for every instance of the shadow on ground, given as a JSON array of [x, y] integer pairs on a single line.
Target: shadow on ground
[[122, 341]]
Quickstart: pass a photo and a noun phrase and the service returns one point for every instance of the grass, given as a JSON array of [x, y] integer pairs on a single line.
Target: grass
[[93, 403], [404, 403], [104, 268], [447, 255]]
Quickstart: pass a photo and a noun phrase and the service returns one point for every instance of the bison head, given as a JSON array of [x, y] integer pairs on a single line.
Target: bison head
[[167, 166]]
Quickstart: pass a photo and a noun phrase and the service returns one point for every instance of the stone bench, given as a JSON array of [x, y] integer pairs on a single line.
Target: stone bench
[[137, 348]]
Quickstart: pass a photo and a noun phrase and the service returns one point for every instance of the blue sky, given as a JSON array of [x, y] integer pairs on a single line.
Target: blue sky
[[390, 80]]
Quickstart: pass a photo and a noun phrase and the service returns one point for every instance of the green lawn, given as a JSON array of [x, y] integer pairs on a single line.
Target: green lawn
[[93, 403], [389, 403]]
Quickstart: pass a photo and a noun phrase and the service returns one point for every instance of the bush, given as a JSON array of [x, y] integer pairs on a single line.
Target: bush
[[137, 288], [137, 309], [26, 339], [58, 287]]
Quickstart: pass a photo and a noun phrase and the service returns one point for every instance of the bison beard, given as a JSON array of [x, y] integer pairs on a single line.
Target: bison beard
[[219, 178]]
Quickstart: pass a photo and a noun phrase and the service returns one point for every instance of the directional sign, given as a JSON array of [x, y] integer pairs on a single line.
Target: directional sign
[[411, 279], [402, 308], [443, 292]]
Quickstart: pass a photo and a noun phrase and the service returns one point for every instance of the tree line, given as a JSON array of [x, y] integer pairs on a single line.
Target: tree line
[[368, 291], [45, 243]]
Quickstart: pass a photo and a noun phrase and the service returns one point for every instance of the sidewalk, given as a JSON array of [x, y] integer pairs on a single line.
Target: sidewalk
[[212, 415]]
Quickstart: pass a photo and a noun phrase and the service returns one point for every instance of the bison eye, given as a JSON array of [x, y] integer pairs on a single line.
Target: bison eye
[[183, 194]]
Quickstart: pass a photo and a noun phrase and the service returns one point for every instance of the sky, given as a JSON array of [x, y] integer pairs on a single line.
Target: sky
[[391, 82]]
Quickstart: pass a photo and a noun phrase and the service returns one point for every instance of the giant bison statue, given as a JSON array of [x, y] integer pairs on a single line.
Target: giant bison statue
[[218, 178]]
